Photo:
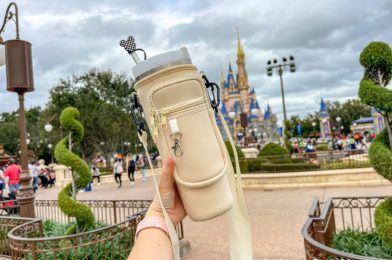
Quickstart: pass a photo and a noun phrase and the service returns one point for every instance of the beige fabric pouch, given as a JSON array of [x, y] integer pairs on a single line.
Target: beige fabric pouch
[[176, 106]]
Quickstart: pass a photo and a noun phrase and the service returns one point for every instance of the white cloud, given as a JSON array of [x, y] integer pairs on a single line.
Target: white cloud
[[325, 37]]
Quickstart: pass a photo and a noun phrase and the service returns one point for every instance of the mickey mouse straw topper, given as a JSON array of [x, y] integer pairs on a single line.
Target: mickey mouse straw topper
[[130, 46]]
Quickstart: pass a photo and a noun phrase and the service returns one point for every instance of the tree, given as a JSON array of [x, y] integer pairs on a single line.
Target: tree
[[376, 59], [103, 99], [349, 111]]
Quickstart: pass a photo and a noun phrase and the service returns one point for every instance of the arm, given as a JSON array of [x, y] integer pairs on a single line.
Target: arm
[[153, 243]]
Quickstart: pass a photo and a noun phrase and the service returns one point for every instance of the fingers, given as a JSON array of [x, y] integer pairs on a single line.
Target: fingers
[[166, 184]]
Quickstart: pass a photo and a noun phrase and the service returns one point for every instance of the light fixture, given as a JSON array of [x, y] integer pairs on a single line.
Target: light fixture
[[254, 111], [313, 124], [48, 127], [232, 114], [50, 146], [338, 119]]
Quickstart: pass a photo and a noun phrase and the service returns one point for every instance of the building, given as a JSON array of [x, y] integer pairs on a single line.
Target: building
[[240, 106]]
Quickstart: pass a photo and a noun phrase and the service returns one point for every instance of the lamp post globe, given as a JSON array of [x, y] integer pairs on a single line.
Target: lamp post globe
[[232, 114], [254, 111], [338, 119], [48, 127], [313, 124]]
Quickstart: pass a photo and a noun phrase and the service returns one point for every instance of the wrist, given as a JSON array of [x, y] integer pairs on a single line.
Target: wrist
[[152, 222]]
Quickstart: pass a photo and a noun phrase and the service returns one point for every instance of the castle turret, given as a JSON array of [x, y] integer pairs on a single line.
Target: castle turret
[[242, 76]]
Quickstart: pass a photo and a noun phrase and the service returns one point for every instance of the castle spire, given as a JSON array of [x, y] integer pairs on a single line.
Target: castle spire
[[240, 51]]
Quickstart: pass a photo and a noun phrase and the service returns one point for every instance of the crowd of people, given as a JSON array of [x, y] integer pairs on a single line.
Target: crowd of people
[[341, 143]]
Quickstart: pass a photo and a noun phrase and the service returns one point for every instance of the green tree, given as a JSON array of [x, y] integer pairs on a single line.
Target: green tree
[[103, 99], [348, 111], [376, 59]]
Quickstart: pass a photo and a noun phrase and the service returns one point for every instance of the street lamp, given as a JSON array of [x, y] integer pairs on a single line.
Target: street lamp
[[271, 65], [16, 56], [50, 146], [338, 120], [48, 127]]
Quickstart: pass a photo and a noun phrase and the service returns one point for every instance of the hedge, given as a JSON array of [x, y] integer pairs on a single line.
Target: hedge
[[272, 149], [240, 154], [262, 165]]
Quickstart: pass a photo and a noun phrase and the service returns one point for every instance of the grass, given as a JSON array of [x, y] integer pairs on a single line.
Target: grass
[[361, 243]]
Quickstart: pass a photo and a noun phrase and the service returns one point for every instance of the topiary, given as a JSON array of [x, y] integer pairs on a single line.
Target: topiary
[[81, 173], [272, 149], [240, 154], [376, 58], [322, 147]]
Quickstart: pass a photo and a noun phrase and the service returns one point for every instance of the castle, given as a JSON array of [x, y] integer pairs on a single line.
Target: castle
[[239, 101]]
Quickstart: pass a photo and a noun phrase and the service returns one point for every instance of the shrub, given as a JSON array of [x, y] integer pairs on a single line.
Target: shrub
[[383, 219], [272, 149], [230, 150], [263, 165], [322, 147], [361, 243]]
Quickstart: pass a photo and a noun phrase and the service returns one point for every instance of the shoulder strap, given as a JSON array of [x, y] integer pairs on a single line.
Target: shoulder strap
[[240, 232]]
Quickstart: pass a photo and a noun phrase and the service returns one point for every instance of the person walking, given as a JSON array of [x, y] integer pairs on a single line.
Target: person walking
[[96, 174], [13, 174], [142, 164], [131, 167], [117, 171], [33, 169]]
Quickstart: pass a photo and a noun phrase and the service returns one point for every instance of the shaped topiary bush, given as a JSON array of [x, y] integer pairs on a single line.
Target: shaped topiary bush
[[376, 59], [230, 151], [81, 173], [272, 149]]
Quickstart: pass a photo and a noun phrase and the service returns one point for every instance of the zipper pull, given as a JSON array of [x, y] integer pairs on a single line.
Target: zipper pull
[[153, 122], [176, 136], [163, 119]]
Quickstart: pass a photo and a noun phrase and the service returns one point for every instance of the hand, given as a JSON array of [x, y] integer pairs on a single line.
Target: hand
[[170, 196]]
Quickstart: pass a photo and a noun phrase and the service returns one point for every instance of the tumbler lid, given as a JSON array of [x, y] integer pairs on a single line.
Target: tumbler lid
[[161, 61]]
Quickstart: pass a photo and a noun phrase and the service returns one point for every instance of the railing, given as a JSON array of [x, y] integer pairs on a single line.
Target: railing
[[115, 213], [112, 242], [106, 211], [338, 214], [323, 160]]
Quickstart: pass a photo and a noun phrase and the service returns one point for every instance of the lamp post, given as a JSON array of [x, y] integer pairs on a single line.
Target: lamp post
[[314, 126], [280, 67], [338, 120], [50, 146], [16, 55]]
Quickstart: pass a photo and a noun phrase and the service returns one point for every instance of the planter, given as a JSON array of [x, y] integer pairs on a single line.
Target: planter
[[26, 238], [337, 214]]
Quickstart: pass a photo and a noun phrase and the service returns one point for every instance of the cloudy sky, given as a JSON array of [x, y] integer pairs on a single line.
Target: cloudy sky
[[325, 37]]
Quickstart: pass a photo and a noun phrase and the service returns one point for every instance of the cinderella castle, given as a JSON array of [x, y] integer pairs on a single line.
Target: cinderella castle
[[247, 121]]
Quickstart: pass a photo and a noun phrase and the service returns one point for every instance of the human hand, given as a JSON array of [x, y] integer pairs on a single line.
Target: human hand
[[170, 196]]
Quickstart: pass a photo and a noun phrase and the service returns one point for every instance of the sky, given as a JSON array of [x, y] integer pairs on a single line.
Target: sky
[[325, 37]]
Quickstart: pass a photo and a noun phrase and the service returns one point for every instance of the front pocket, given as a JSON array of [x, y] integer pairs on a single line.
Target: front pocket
[[201, 158]]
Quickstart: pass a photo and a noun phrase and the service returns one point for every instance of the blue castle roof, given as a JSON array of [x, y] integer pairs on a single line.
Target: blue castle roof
[[230, 76], [267, 113], [323, 109]]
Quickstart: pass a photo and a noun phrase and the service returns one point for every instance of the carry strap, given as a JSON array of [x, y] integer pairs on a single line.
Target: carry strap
[[172, 230], [240, 232]]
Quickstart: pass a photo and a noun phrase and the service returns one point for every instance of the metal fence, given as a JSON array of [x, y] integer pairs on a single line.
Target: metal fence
[[112, 242], [28, 240], [105, 211], [323, 160], [337, 214]]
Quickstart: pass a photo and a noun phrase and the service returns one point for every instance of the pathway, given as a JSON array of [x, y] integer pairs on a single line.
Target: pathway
[[277, 217]]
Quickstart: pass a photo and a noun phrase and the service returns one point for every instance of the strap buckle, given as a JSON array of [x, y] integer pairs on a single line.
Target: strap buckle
[[214, 93], [137, 114]]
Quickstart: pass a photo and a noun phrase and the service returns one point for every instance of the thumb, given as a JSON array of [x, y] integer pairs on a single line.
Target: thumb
[[167, 179]]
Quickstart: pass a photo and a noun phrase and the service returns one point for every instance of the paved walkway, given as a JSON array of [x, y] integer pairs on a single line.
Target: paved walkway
[[277, 217]]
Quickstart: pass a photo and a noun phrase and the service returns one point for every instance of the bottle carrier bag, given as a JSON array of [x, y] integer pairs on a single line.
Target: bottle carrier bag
[[180, 114], [182, 123]]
